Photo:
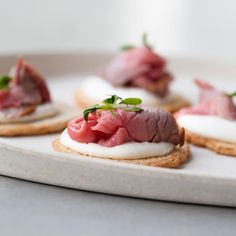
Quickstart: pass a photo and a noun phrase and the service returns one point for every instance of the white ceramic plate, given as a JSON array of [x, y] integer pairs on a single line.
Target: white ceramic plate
[[206, 179]]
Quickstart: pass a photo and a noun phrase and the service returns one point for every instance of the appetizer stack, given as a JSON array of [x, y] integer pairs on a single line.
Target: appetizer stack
[[26, 107], [212, 122], [120, 129], [139, 129], [137, 71]]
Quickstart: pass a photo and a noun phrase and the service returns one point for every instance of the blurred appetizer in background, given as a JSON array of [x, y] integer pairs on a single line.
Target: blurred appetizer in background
[[212, 122], [121, 130], [137, 71], [26, 107]]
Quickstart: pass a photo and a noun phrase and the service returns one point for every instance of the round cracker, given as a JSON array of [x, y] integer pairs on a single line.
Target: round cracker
[[218, 146], [175, 105], [171, 160], [45, 126], [172, 106]]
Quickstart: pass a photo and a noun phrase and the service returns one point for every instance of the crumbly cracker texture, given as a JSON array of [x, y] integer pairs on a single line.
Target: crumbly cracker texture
[[172, 160], [218, 146], [45, 126]]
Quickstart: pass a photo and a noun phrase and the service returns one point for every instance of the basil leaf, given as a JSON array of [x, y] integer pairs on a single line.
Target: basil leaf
[[132, 101], [4, 81]]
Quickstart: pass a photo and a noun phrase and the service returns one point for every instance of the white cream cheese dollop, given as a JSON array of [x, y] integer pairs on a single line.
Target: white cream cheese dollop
[[129, 150], [209, 126], [95, 88], [42, 111]]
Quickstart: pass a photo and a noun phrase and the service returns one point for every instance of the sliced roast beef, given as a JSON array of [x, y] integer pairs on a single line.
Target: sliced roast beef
[[26, 89], [139, 67], [212, 102], [112, 129]]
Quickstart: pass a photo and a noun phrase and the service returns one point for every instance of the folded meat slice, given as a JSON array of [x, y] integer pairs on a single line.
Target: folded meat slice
[[139, 67], [112, 129], [26, 89], [212, 102]]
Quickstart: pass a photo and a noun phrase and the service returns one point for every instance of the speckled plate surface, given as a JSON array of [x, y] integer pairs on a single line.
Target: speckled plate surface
[[207, 178]]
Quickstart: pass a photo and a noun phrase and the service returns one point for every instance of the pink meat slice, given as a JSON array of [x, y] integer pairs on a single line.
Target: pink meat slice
[[110, 129], [139, 67], [26, 88], [212, 102]]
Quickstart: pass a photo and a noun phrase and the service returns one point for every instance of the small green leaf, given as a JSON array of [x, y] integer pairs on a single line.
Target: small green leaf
[[108, 107], [127, 47], [112, 99], [131, 101], [86, 114], [115, 102], [4, 81], [90, 110], [134, 109], [145, 40], [232, 94]]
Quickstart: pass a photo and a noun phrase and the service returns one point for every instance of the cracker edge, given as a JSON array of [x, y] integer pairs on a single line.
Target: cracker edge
[[30, 129], [171, 160], [218, 146], [34, 128]]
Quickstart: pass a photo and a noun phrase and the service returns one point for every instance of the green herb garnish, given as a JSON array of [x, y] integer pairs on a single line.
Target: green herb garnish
[[131, 46], [145, 40], [113, 102], [127, 47], [132, 101], [112, 99], [133, 109], [232, 94], [90, 110], [4, 81]]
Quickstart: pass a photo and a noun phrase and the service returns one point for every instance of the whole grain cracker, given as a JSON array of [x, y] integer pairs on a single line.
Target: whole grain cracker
[[218, 146], [45, 126], [172, 160]]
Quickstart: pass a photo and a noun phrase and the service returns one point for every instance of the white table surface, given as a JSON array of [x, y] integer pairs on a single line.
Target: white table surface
[[34, 209]]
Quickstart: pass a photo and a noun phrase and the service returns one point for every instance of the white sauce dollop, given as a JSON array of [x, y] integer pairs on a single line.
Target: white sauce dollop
[[96, 88], [129, 150], [209, 126], [42, 111]]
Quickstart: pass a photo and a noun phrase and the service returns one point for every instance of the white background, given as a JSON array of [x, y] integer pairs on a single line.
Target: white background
[[188, 27]]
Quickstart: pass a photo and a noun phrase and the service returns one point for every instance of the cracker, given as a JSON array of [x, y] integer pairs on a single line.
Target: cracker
[[218, 146], [171, 160], [45, 126], [175, 105], [172, 106]]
